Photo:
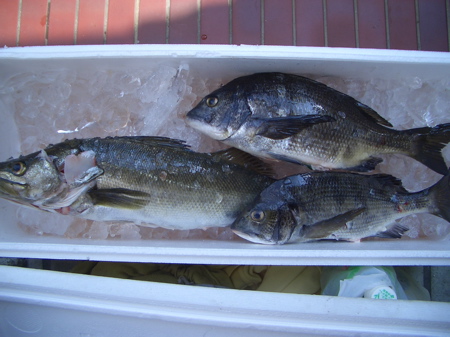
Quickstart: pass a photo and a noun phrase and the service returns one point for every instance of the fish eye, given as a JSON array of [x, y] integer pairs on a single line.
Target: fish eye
[[18, 168], [258, 216], [212, 101]]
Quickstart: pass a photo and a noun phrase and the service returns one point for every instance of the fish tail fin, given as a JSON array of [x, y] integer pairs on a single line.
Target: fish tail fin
[[440, 196], [428, 144]]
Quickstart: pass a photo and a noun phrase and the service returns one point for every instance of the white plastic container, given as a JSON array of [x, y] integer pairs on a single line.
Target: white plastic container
[[53, 304], [46, 303], [213, 61]]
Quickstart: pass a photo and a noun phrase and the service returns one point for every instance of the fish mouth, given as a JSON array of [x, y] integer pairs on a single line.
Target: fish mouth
[[10, 182], [252, 237], [7, 191], [11, 195], [211, 131]]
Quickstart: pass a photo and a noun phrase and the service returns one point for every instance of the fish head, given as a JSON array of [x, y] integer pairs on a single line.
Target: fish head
[[266, 223], [221, 113], [29, 179]]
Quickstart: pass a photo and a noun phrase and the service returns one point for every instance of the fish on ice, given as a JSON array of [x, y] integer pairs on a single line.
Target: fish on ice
[[146, 180], [337, 206], [296, 119]]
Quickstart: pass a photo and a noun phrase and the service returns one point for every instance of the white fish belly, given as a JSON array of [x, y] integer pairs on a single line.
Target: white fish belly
[[170, 219]]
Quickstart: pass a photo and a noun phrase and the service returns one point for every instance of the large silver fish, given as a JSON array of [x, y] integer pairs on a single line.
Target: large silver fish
[[141, 179], [337, 206], [293, 118]]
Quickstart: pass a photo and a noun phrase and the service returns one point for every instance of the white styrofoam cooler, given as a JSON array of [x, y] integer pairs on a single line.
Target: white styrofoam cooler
[[211, 61], [48, 303], [45, 303]]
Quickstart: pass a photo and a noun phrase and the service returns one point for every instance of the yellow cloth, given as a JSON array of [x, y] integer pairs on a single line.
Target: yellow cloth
[[286, 279], [297, 280], [245, 277]]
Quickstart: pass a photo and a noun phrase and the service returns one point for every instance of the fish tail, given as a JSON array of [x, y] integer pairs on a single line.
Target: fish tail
[[440, 196], [428, 144]]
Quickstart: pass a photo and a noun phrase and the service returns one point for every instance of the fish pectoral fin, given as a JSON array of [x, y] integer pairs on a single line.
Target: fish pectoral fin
[[325, 228], [119, 198], [284, 127], [395, 232]]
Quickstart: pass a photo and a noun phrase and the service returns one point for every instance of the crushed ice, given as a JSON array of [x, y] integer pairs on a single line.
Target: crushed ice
[[50, 106]]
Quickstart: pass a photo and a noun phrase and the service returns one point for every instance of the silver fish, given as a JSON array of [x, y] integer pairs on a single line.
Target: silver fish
[[293, 118], [337, 206], [147, 180]]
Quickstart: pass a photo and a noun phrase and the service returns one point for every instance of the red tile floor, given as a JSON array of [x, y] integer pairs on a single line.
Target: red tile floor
[[385, 24]]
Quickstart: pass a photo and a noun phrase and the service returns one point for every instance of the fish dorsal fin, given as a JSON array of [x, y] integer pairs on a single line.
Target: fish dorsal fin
[[152, 140], [244, 159], [386, 181], [119, 198], [372, 114], [325, 228]]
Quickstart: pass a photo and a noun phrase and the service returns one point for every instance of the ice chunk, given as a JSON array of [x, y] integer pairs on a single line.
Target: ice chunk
[[40, 223], [77, 228], [225, 233], [414, 224], [75, 166], [97, 230], [125, 231]]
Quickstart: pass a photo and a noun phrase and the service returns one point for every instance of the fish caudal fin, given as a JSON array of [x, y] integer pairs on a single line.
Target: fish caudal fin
[[440, 196], [428, 145]]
